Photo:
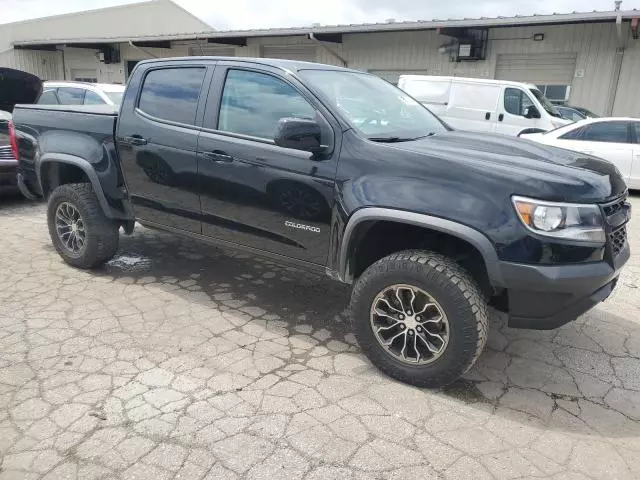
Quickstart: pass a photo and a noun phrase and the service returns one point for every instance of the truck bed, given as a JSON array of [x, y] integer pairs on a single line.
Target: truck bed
[[52, 129]]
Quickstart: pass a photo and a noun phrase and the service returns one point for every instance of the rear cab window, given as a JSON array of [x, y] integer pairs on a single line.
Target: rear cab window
[[172, 94], [48, 97]]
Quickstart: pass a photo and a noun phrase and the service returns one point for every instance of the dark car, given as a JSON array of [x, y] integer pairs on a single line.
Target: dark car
[[15, 87], [277, 158], [585, 112], [570, 113]]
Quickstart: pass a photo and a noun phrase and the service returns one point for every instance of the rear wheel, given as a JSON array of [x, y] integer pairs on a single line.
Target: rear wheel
[[80, 232], [420, 318]]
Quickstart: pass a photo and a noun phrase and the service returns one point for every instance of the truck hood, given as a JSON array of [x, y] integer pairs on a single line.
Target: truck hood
[[16, 87], [530, 168]]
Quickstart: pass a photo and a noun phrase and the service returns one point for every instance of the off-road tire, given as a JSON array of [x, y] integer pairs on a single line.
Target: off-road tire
[[102, 236], [456, 292]]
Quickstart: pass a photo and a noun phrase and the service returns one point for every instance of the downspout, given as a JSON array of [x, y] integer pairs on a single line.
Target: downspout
[[311, 36], [617, 63]]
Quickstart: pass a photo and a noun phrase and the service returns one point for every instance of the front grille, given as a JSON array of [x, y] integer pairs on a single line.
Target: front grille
[[617, 240], [5, 153]]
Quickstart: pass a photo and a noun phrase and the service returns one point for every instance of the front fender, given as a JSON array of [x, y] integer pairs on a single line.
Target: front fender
[[463, 232]]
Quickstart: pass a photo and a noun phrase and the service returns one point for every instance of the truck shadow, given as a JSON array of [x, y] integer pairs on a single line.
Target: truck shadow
[[582, 378]]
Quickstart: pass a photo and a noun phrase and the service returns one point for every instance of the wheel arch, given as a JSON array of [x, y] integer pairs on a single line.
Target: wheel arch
[[50, 168], [364, 216]]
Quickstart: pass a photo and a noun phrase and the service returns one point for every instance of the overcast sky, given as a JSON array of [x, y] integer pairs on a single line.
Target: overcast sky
[[239, 14]]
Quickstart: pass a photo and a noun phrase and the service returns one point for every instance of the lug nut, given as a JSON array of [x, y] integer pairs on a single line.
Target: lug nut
[[402, 326], [410, 332], [401, 317], [419, 329], [409, 312], [418, 318]]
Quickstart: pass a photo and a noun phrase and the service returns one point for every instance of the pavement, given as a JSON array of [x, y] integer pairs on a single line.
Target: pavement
[[179, 360]]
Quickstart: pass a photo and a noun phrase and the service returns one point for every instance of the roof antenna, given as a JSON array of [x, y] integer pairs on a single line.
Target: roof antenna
[[618, 4]]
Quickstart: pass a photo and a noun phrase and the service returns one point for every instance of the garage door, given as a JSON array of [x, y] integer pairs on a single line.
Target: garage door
[[305, 53], [84, 75], [392, 76], [212, 50], [541, 69]]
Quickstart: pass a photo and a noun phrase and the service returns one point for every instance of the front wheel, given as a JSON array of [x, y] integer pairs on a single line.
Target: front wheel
[[420, 318], [80, 232]]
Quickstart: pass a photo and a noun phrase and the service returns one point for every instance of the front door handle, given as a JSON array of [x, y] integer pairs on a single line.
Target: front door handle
[[135, 140], [501, 117], [218, 156]]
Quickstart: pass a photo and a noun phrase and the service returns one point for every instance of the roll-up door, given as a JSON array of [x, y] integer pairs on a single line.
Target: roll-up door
[[540, 69], [306, 53]]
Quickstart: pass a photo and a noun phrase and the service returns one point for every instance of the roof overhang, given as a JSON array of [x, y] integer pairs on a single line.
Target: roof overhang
[[333, 33]]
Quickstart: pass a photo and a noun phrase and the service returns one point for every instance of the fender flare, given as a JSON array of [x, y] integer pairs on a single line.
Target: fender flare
[[463, 232], [82, 164]]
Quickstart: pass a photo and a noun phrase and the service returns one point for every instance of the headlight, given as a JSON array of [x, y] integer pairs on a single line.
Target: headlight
[[567, 221]]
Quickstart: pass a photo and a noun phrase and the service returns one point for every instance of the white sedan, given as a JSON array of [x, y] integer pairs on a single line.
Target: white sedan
[[616, 140]]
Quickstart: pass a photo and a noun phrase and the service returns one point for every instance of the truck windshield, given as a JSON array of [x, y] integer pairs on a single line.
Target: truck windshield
[[546, 104], [373, 106]]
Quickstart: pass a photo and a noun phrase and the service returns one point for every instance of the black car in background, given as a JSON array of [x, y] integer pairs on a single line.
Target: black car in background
[[15, 87]]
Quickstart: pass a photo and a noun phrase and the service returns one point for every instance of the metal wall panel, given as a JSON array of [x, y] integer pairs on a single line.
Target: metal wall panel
[[627, 101], [212, 50], [46, 65], [305, 53]]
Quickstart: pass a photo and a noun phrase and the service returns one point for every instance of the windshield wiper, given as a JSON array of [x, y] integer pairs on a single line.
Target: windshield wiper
[[389, 139]]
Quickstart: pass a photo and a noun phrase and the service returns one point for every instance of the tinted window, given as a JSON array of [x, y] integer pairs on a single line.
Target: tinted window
[[92, 98], [48, 97], [253, 104], [606, 132], [572, 135], [636, 126], [71, 96], [172, 94], [515, 101]]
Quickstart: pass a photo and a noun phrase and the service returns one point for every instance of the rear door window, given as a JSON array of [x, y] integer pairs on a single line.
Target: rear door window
[[172, 94], [612, 132], [71, 96], [48, 97], [92, 98]]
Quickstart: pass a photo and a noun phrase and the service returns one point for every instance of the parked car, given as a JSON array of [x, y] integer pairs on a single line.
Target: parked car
[[617, 140], [585, 112], [80, 93], [482, 105], [570, 113], [429, 225], [15, 87]]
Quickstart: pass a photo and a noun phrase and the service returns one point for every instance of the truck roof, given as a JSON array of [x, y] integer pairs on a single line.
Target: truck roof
[[271, 62]]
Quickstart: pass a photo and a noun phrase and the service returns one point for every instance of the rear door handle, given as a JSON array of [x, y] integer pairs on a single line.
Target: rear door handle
[[218, 156], [135, 140], [487, 116]]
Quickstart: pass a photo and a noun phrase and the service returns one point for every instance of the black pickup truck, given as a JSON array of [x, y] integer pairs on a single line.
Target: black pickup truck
[[338, 172]]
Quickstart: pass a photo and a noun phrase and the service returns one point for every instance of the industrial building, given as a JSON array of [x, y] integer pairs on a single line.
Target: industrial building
[[586, 59]]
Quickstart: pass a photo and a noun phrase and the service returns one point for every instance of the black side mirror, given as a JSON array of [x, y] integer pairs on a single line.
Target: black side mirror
[[299, 134], [531, 112]]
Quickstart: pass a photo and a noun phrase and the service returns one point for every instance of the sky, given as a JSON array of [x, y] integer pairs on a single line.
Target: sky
[[242, 14]]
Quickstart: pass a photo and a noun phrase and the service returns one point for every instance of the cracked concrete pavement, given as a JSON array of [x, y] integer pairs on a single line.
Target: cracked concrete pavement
[[179, 360]]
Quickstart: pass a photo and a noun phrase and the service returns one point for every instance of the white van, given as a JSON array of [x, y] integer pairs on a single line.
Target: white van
[[483, 105]]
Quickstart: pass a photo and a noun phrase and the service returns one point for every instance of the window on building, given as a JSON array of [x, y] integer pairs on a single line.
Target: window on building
[[172, 94], [516, 101], [92, 98], [71, 95], [613, 132], [557, 94], [253, 104], [48, 97]]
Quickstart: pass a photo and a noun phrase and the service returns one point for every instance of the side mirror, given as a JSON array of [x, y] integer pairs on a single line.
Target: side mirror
[[299, 134], [531, 112]]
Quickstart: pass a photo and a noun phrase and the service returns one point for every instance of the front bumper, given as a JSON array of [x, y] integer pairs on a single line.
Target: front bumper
[[547, 297]]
